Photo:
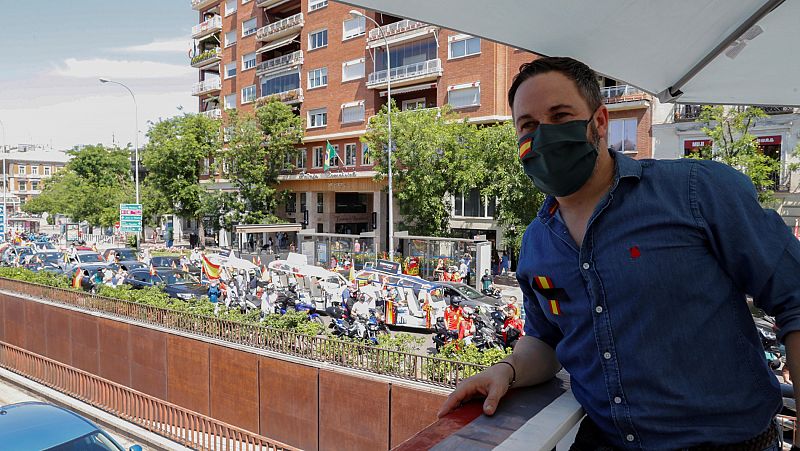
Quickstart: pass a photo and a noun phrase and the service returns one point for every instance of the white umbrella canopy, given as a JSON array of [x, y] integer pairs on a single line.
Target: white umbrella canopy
[[238, 263], [687, 51]]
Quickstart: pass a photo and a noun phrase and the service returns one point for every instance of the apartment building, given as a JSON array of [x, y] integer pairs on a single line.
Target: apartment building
[[25, 170], [331, 68]]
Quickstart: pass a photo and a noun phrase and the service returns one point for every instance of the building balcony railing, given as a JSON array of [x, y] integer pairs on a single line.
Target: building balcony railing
[[687, 112], [207, 58], [202, 4], [424, 70], [281, 62], [216, 113], [210, 26], [289, 97], [771, 109], [206, 86], [622, 93], [394, 29], [269, 3], [280, 28]]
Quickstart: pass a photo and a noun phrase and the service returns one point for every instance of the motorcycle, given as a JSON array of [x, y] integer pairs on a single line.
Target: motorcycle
[[310, 309], [492, 292], [442, 336], [375, 327], [485, 336]]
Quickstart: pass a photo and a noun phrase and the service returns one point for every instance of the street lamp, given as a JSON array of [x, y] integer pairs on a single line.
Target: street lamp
[[5, 185], [356, 14], [136, 135]]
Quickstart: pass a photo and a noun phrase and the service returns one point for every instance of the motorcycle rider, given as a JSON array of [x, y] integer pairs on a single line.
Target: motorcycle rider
[[466, 328], [453, 315], [361, 307], [512, 322]]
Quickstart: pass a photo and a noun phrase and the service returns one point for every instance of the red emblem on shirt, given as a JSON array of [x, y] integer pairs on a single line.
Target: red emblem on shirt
[[635, 252]]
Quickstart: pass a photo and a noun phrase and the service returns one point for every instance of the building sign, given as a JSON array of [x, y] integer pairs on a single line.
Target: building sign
[[387, 266], [769, 140], [693, 144], [130, 217]]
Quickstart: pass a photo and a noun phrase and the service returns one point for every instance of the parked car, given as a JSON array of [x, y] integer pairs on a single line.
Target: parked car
[[166, 261], [470, 297], [51, 261], [16, 255], [43, 426], [88, 260], [124, 253], [176, 283]]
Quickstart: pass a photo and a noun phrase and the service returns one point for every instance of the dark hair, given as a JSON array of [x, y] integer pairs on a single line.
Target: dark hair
[[583, 76]]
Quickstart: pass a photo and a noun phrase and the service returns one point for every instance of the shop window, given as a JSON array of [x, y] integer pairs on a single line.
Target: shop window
[[622, 134]]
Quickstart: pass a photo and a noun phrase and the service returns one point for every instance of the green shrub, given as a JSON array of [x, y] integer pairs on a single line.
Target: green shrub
[[41, 277]]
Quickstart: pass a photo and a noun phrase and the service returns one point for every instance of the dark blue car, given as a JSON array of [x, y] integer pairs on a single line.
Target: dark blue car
[[41, 426], [174, 282]]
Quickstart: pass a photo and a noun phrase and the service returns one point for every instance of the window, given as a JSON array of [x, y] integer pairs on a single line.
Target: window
[[227, 132], [414, 104], [302, 201], [23, 186], [350, 154], [230, 101], [317, 77], [356, 26], [21, 169], [353, 70], [291, 203], [622, 135], [317, 39], [34, 186], [46, 170], [404, 55], [34, 170], [461, 46], [230, 38], [249, 27], [351, 202], [249, 61], [314, 5], [320, 203], [280, 83], [205, 169], [248, 94], [301, 159], [353, 112], [230, 7], [230, 69], [319, 157], [474, 205], [464, 96], [318, 118], [366, 156]]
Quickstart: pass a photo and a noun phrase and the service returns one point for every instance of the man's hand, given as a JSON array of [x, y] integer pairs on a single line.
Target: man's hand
[[491, 383]]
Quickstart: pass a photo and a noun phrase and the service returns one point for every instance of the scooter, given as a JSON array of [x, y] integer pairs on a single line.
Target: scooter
[[375, 327], [492, 292], [310, 308]]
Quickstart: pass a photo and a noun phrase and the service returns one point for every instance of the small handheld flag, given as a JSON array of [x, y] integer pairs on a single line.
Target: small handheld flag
[[211, 270], [76, 280], [152, 270], [389, 312]]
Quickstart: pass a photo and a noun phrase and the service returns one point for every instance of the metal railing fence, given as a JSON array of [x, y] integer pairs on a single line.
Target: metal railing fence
[[168, 420], [419, 368]]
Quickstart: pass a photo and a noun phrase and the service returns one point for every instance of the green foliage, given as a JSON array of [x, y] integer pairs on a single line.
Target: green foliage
[[90, 188], [458, 351], [294, 321], [173, 157], [735, 146], [434, 154], [41, 277], [259, 146]]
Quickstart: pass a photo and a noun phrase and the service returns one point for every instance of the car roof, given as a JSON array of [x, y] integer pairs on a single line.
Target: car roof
[[87, 252], [38, 425]]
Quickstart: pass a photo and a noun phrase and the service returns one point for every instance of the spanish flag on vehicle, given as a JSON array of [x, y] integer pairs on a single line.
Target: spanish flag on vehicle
[[152, 270], [211, 270], [76, 279], [390, 318]]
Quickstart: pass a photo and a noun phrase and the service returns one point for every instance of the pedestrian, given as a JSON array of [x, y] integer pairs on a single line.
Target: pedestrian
[[486, 281], [633, 270], [468, 268], [505, 263], [213, 294], [291, 247]]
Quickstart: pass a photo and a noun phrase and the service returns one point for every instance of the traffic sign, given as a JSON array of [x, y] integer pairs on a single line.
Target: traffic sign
[[130, 217]]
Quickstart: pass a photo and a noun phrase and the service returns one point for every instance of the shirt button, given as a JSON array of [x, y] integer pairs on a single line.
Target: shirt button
[[598, 309], [617, 400], [607, 355], [586, 266], [630, 437]]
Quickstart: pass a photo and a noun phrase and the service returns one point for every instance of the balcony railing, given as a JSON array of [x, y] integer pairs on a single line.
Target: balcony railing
[[205, 86], [687, 112], [288, 97], [622, 93], [207, 57], [202, 4], [216, 113], [396, 28], [280, 28], [294, 58], [771, 109], [269, 3], [210, 26], [411, 71]]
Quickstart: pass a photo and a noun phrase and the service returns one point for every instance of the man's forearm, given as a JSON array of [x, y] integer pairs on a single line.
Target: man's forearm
[[534, 361], [792, 342]]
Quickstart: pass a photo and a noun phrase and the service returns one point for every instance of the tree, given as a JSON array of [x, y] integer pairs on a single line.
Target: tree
[[518, 200], [173, 158], [260, 145], [434, 155], [734, 145], [91, 187]]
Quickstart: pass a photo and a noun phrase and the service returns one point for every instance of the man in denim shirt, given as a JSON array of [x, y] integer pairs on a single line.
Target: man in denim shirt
[[634, 275]]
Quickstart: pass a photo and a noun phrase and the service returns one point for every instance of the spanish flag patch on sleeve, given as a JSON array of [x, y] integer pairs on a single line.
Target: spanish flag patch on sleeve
[[555, 309]]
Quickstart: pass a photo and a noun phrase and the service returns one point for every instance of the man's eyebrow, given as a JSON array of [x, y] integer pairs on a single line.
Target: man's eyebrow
[[524, 116], [560, 106]]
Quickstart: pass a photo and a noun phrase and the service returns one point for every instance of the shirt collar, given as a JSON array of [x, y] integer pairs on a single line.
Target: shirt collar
[[624, 167]]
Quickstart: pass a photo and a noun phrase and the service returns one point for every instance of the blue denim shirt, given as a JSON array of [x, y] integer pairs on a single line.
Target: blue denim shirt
[[649, 314]]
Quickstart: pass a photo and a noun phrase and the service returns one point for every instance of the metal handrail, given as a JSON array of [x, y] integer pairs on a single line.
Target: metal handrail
[[212, 84], [402, 365], [284, 60], [216, 113], [396, 28], [285, 96], [407, 71], [280, 25], [620, 91], [210, 24], [176, 423], [206, 55]]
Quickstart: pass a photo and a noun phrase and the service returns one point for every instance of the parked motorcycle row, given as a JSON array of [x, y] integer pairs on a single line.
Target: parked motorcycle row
[[491, 330]]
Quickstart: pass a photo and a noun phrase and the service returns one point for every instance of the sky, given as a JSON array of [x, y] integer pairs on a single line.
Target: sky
[[55, 51]]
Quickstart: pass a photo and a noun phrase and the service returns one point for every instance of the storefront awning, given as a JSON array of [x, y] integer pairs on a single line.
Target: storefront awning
[[268, 228], [277, 44]]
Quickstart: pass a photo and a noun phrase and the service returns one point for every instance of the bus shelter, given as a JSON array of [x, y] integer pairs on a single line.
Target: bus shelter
[[332, 249], [422, 254]]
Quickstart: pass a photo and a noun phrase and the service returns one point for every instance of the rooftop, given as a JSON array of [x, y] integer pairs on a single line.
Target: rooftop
[[54, 156]]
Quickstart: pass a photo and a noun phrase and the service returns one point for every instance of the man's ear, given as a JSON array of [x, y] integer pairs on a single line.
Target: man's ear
[[601, 122]]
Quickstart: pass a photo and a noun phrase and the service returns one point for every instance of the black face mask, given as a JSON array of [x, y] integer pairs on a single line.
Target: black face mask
[[558, 158]]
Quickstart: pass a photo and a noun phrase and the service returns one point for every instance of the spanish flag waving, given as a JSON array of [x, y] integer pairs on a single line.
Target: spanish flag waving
[[211, 270], [76, 279], [390, 315]]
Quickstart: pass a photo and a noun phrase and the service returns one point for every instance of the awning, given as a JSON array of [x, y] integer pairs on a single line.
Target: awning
[[736, 52], [268, 228], [769, 140], [692, 144], [277, 44], [412, 88]]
